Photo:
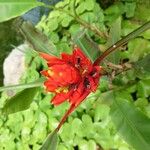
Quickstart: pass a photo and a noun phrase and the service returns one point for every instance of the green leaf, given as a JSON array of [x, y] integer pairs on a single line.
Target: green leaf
[[66, 20], [50, 142], [114, 11], [13, 8], [53, 24], [142, 66], [132, 124], [37, 83], [81, 8], [130, 9], [138, 48], [37, 39], [90, 48], [21, 101], [101, 112], [143, 88], [142, 11], [146, 34], [114, 36], [89, 4]]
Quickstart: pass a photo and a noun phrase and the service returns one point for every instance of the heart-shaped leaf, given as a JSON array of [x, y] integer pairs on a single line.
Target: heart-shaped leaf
[[132, 124], [21, 101], [50, 142], [13, 8]]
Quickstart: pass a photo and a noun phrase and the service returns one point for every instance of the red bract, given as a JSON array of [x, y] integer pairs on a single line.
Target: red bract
[[71, 77]]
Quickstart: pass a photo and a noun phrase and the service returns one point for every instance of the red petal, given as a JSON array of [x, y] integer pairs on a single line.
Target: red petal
[[65, 74], [47, 57], [60, 98], [66, 57], [45, 73], [93, 84], [51, 60], [55, 61], [84, 63], [50, 86], [79, 94]]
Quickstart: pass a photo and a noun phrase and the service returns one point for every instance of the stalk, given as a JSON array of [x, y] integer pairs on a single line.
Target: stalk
[[69, 111], [122, 42]]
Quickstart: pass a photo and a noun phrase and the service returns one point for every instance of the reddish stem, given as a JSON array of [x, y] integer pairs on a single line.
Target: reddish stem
[[70, 110], [122, 42]]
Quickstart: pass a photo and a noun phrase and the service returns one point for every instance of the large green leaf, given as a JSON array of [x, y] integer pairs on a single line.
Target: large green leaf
[[132, 124], [21, 101], [50, 142], [88, 46], [37, 39], [13, 8]]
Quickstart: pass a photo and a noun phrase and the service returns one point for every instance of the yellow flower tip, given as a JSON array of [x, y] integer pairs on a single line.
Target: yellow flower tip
[[50, 72], [62, 89], [65, 90]]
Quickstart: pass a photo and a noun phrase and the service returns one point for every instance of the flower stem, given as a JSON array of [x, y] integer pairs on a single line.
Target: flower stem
[[70, 110], [122, 42]]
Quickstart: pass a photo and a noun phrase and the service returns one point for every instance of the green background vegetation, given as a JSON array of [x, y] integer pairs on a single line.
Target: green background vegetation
[[96, 122]]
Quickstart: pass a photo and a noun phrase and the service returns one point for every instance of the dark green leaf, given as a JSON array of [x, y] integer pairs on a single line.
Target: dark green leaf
[[114, 36], [37, 39], [21, 101], [50, 142], [132, 124], [90, 48]]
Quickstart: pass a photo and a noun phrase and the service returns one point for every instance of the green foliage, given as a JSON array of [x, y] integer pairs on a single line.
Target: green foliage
[[90, 126], [132, 124], [114, 36], [20, 101], [13, 8], [87, 45], [38, 40], [8, 31], [51, 142], [138, 48], [142, 66]]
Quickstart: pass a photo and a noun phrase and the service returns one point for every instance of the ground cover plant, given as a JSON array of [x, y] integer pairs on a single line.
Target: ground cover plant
[[115, 111]]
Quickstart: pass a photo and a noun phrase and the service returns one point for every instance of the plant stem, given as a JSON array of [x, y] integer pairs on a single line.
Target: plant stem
[[70, 110], [122, 42]]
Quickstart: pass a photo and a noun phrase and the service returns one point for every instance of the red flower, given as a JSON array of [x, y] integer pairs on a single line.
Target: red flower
[[71, 77]]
